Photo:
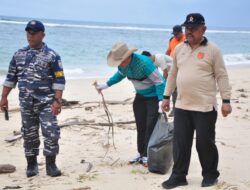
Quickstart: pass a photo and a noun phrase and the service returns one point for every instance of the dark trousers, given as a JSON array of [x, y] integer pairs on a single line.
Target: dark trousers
[[174, 97], [35, 114], [146, 115], [185, 122]]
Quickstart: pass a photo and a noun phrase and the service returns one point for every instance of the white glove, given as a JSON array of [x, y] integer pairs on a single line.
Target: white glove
[[101, 86], [160, 110]]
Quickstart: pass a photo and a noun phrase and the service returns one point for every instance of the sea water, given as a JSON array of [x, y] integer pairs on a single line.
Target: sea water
[[83, 46]]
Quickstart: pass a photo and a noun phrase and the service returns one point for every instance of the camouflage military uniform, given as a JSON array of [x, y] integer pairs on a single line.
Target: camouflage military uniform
[[38, 73]]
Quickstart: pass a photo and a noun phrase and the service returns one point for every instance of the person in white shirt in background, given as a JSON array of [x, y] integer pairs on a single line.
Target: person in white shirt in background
[[164, 62]]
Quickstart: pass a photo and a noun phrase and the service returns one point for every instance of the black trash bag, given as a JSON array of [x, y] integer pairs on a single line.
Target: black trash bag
[[160, 146]]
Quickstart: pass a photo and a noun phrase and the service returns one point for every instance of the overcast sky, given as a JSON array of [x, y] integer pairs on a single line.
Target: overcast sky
[[224, 13]]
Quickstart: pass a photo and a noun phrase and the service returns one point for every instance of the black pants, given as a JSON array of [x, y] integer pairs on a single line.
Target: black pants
[[185, 123], [146, 115], [174, 97]]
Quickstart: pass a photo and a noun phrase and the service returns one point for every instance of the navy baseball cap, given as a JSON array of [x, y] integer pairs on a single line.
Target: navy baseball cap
[[177, 29], [35, 26], [194, 19]]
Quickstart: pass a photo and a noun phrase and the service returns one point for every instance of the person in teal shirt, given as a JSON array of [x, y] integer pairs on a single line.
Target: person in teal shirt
[[149, 85]]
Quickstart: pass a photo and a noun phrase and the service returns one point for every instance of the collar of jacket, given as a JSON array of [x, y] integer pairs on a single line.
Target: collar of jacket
[[203, 42]]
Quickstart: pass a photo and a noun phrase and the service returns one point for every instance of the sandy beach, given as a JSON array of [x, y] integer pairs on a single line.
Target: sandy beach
[[84, 140]]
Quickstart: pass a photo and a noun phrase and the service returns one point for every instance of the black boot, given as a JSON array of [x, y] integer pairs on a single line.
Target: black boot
[[32, 168], [51, 167]]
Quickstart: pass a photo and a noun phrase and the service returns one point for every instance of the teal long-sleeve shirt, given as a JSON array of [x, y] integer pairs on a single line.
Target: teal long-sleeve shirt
[[144, 75]]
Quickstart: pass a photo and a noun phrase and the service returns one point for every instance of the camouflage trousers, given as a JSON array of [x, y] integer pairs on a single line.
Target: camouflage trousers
[[35, 114]]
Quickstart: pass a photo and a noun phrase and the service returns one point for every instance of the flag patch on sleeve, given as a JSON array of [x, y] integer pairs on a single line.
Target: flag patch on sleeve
[[59, 74]]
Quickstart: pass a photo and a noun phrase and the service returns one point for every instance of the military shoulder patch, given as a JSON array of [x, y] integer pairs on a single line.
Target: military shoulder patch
[[59, 74]]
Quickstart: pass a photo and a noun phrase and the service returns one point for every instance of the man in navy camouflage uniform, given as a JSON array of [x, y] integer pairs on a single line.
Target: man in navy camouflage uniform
[[38, 71]]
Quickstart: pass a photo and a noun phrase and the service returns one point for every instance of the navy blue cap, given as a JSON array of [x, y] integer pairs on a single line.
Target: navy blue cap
[[176, 29], [194, 19], [35, 26]]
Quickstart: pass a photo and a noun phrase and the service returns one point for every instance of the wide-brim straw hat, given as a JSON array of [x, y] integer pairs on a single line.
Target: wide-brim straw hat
[[119, 52]]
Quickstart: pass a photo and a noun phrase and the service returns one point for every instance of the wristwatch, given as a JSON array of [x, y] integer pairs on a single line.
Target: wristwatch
[[58, 100]]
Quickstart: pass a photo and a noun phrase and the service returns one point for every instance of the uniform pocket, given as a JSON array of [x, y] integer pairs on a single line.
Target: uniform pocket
[[41, 70]]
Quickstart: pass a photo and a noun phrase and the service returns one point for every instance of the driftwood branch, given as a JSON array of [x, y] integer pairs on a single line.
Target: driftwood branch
[[115, 162], [16, 135], [66, 103], [94, 124], [12, 187], [90, 123], [110, 102], [13, 138]]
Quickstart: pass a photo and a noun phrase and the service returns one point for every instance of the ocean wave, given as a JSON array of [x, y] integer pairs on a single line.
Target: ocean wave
[[107, 27], [87, 73], [76, 73], [12, 22], [82, 71], [229, 31], [105, 72], [237, 59], [87, 26]]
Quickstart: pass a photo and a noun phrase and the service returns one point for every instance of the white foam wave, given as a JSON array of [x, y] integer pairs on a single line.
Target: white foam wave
[[90, 26], [229, 31], [88, 72], [106, 27], [11, 22], [92, 71], [74, 71], [237, 59], [2, 78]]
